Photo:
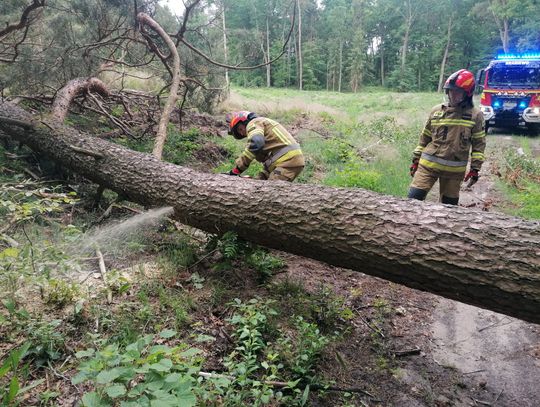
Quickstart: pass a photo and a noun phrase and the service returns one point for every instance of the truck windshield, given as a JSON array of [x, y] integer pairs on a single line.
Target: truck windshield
[[508, 76]]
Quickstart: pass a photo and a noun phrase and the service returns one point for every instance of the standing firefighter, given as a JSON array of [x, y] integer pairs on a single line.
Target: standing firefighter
[[445, 143], [268, 143]]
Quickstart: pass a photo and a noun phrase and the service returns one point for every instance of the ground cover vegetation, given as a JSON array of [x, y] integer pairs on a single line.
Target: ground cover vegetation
[[182, 317], [106, 304]]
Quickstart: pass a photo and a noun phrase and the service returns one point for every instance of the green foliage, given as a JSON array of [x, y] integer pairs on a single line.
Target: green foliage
[[322, 306], [48, 343], [179, 146], [522, 177], [179, 252], [234, 149], [355, 175], [22, 203], [142, 145], [403, 80], [327, 309], [300, 354], [12, 376], [46, 340], [264, 263], [179, 303], [237, 252], [142, 373], [149, 372], [256, 360], [60, 292]]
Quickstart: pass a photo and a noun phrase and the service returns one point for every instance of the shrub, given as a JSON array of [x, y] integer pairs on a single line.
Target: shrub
[[355, 175]]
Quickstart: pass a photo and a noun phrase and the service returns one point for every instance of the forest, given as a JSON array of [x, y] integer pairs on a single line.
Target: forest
[[136, 271]]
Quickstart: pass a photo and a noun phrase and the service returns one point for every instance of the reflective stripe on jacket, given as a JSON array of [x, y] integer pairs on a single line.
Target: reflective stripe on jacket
[[449, 138], [270, 143]]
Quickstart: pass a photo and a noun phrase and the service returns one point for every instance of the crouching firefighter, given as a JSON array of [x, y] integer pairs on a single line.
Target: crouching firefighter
[[267, 142], [454, 132]]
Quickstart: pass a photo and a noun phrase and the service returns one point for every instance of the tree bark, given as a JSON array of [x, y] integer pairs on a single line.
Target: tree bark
[[382, 64], [445, 55], [484, 259], [268, 56], [503, 25], [409, 17], [340, 63], [170, 104], [300, 63], [225, 51], [75, 87]]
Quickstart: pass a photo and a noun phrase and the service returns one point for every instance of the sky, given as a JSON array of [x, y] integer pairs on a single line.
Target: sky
[[176, 6]]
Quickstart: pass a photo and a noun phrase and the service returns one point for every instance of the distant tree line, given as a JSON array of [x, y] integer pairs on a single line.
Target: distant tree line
[[337, 45], [342, 45]]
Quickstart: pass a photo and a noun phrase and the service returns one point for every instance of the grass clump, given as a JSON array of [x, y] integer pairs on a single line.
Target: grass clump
[[354, 175], [522, 184]]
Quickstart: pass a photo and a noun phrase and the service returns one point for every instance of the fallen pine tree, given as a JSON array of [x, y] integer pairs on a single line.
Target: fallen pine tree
[[484, 259]]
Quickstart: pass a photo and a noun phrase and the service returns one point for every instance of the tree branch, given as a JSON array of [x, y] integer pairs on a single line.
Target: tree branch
[[241, 68], [25, 18], [161, 136]]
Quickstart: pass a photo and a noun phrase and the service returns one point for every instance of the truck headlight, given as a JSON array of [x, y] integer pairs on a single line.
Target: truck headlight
[[487, 111]]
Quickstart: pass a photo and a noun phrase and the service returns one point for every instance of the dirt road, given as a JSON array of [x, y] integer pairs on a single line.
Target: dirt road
[[501, 353]]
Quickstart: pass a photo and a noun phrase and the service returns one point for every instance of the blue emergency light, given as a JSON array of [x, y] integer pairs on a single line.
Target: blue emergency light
[[528, 55], [497, 103], [523, 104]]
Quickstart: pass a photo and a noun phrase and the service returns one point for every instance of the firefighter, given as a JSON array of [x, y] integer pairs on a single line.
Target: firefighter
[[267, 142], [453, 132]]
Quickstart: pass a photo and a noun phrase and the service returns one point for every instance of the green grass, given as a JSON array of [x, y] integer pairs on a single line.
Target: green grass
[[521, 187], [356, 107], [525, 201], [363, 140]]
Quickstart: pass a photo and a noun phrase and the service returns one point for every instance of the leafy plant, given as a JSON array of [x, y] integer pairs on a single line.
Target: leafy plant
[[264, 263], [60, 292], [47, 342], [354, 174], [142, 373], [180, 145], [11, 390], [250, 356], [300, 354]]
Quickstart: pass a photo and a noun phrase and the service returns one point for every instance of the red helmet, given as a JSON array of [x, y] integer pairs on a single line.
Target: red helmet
[[461, 79], [238, 117]]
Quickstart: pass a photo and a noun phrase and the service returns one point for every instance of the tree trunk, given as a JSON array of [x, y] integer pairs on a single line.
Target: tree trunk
[[502, 24], [300, 67], [170, 104], [445, 55], [506, 36], [340, 63], [382, 65], [225, 51], [409, 17], [268, 56], [485, 259], [72, 89]]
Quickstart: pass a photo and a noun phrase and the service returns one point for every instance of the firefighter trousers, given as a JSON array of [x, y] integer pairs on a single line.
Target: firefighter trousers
[[281, 173], [449, 187]]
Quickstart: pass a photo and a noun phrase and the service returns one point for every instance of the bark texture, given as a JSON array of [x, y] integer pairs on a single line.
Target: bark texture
[[161, 136], [485, 259], [75, 87]]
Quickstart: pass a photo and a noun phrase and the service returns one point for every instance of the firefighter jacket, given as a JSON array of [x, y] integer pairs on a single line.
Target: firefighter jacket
[[450, 136], [270, 144]]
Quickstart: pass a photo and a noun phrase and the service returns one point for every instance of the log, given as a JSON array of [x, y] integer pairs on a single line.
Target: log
[[485, 259]]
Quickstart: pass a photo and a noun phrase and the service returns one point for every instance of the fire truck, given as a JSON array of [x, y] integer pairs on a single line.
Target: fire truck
[[511, 92]]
